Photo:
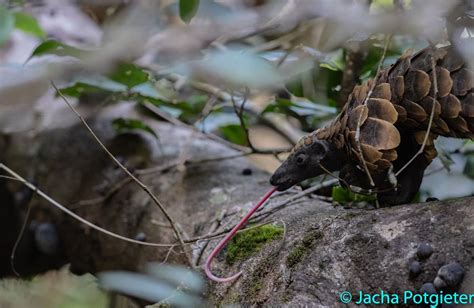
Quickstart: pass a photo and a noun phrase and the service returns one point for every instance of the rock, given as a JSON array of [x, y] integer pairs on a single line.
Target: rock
[[431, 199], [452, 274], [46, 238], [247, 171], [428, 288], [424, 251], [415, 269], [439, 283], [141, 237]]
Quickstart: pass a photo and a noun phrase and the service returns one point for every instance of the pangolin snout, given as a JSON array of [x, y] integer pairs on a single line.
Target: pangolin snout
[[281, 180]]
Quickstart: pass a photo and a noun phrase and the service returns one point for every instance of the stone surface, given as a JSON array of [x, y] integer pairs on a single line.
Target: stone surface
[[326, 250], [424, 251], [452, 274]]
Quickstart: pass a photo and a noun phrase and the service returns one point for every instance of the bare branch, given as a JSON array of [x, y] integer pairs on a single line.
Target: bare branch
[[134, 178]]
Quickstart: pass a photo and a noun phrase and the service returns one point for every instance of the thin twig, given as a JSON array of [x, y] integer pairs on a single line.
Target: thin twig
[[18, 240], [223, 232], [240, 114], [74, 215], [226, 97], [283, 203], [245, 150], [425, 139], [135, 179], [369, 94], [215, 225]]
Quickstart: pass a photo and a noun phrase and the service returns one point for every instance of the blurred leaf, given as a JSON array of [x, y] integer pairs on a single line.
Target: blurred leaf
[[216, 119], [187, 9], [336, 62], [28, 24], [469, 167], [7, 23], [238, 68], [51, 47], [445, 159], [148, 89], [343, 195], [129, 74], [234, 133], [53, 289], [381, 5], [93, 84], [187, 111], [177, 275], [318, 109], [126, 125], [299, 106], [170, 285]]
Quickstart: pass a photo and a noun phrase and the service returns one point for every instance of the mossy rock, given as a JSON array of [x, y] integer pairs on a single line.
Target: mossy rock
[[247, 243], [303, 248]]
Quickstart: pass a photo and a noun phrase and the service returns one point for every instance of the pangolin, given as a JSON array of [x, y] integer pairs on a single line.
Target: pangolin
[[383, 125]]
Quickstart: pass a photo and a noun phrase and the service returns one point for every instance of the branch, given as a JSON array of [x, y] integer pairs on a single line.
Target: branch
[[369, 94], [435, 96], [74, 215], [135, 179]]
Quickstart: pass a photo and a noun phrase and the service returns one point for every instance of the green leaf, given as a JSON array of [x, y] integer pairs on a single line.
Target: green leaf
[[299, 106], [7, 23], [217, 119], [93, 84], [28, 24], [371, 63], [336, 62], [340, 194], [469, 167], [130, 75], [148, 90], [125, 125], [381, 5], [343, 195], [52, 47], [234, 133], [187, 9]]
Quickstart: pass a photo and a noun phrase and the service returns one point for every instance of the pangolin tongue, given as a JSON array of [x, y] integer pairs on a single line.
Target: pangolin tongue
[[228, 237]]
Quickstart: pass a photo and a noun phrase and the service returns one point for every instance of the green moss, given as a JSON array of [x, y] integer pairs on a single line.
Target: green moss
[[249, 242], [302, 249]]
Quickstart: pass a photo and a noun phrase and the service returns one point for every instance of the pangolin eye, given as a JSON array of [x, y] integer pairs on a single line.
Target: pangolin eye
[[300, 159]]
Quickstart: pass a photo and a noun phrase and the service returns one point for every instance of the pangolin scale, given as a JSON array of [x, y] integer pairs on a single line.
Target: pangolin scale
[[386, 121]]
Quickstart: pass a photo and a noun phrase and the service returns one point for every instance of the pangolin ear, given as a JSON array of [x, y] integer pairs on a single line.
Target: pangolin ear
[[320, 149]]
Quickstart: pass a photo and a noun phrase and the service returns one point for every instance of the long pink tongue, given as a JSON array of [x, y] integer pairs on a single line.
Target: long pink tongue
[[207, 265]]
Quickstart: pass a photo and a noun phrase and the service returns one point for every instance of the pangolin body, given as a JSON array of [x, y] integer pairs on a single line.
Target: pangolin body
[[386, 121]]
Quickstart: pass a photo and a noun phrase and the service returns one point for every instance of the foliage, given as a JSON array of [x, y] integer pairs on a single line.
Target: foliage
[[343, 195], [28, 24], [187, 9], [19, 20], [130, 75], [165, 285], [53, 47], [469, 167], [53, 289], [234, 133], [7, 23], [247, 243], [124, 125]]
